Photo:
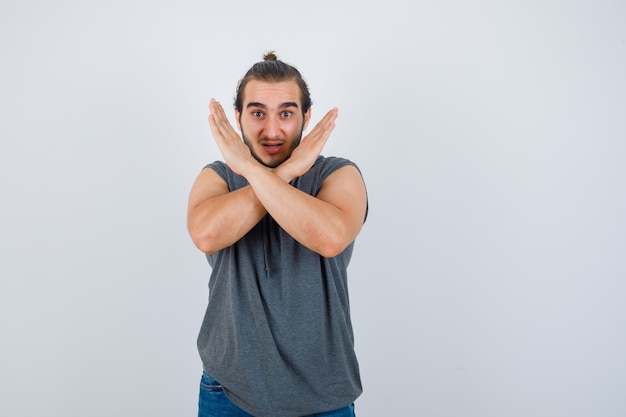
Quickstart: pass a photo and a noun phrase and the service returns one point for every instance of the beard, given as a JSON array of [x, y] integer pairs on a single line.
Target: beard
[[294, 145]]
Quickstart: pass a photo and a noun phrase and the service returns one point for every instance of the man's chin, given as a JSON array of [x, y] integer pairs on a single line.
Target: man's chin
[[269, 164]]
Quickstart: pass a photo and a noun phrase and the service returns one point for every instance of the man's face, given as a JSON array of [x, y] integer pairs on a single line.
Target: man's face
[[271, 120]]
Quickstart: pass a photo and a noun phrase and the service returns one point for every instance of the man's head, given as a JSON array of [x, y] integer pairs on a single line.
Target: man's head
[[273, 70], [272, 108]]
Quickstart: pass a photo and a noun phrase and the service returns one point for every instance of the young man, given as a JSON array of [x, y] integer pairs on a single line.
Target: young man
[[277, 222]]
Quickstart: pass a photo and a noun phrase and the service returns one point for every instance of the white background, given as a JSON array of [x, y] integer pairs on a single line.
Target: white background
[[488, 281]]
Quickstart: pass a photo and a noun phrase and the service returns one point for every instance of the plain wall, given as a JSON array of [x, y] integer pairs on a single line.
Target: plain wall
[[488, 281]]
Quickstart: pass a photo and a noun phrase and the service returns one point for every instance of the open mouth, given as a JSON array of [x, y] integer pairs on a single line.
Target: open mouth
[[272, 147]]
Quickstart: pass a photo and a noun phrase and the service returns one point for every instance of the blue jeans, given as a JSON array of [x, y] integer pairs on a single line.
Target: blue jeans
[[214, 403]]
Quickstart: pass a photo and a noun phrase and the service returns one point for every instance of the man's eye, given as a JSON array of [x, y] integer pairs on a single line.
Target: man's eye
[[257, 113], [286, 114]]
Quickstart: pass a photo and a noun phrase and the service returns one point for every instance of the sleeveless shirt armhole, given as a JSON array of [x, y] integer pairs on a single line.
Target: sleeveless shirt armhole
[[218, 167], [334, 164]]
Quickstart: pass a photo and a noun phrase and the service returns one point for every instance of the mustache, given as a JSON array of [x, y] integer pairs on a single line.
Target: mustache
[[275, 140]]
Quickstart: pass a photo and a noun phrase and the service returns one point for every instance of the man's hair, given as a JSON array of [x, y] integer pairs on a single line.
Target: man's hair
[[273, 70]]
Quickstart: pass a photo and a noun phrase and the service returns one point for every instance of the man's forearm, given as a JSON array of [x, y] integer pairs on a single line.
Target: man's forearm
[[314, 223], [221, 221]]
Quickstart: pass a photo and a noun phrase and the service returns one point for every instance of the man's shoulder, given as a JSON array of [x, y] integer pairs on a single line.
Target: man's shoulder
[[222, 169], [221, 165], [323, 167], [333, 162], [326, 165]]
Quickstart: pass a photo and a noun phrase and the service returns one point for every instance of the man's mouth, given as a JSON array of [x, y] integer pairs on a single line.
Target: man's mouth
[[272, 147]]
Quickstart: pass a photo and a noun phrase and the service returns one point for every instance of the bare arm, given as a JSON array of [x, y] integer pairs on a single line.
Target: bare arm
[[217, 218], [327, 223]]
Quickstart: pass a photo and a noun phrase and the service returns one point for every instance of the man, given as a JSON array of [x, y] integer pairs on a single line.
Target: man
[[277, 222]]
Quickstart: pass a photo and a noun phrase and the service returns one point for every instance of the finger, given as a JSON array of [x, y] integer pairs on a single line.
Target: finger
[[329, 119], [220, 122], [215, 130], [217, 109], [324, 127], [214, 117], [332, 114], [217, 112]]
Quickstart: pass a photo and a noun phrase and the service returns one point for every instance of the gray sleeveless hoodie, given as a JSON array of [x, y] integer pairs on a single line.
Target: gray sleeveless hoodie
[[277, 333]]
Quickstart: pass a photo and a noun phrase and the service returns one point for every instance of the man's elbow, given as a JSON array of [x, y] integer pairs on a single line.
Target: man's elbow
[[206, 247], [329, 252], [205, 242], [333, 247], [333, 243]]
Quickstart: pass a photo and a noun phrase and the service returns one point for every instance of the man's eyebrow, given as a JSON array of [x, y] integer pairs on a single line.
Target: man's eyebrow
[[289, 104], [263, 106], [256, 104]]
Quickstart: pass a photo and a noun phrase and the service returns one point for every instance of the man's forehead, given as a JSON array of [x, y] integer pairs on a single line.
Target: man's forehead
[[267, 94]]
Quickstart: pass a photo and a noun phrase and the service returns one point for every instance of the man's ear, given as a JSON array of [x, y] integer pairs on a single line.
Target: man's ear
[[307, 117]]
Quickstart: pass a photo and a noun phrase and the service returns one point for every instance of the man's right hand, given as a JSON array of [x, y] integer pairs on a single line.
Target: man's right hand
[[236, 153]]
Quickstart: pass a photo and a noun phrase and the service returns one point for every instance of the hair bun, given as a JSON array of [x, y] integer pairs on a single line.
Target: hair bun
[[270, 56]]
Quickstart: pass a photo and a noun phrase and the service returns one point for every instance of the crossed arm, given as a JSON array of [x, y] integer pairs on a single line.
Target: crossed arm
[[326, 223]]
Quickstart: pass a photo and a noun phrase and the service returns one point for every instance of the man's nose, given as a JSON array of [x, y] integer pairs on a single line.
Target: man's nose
[[272, 128]]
